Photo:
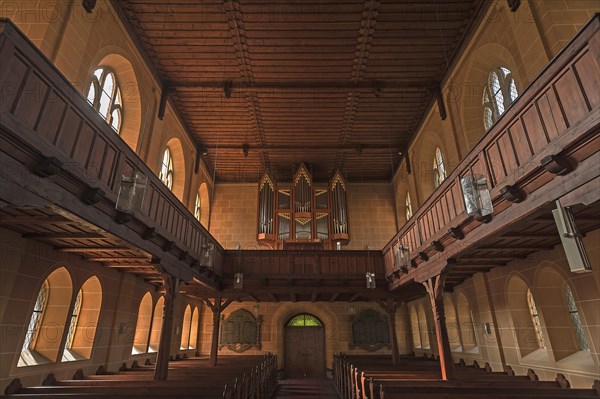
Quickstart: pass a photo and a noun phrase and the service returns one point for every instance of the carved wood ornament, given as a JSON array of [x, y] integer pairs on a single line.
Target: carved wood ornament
[[240, 331]]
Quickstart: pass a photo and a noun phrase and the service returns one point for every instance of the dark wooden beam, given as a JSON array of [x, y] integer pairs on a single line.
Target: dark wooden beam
[[354, 297], [439, 98], [12, 220], [293, 296], [63, 236], [272, 297], [334, 296], [120, 259], [93, 249], [314, 297]]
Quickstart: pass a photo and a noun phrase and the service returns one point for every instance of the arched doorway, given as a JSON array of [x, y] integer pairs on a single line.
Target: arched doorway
[[304, 347]]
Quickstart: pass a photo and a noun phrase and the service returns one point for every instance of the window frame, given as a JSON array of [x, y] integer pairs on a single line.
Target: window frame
[[167, 167], [115, 98], [30, 346], [439, 169], [408, 205], [576, 319], [74, 320], [491, 97], [535, 319]]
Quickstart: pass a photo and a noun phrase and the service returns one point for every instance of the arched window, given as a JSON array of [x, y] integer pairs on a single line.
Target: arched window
[[83, 321], [409, 211], [185, 329], [166, 169], [36, 318], [198, 207], [304, 320], [535, 318], [142, 327], [439, 170], [156, 325], [499, 92], [194, 329], [574, 313], [104, 95], [74, 319], [414, 322], [49, 320], [466, 323], [423, 328]]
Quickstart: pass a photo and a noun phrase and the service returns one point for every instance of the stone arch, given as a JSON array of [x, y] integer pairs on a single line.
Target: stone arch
[[204, 204], [423, 154], [185, 328], [179, 165], [194, 328], [47, 338], [452, 324], [142, 327], [414, 323], [402, 191], [87, 321], [464, 314], [469, 105], [423, 327], [516, 301], [329, 319], [549, 287], [156, 328], [114, 59]]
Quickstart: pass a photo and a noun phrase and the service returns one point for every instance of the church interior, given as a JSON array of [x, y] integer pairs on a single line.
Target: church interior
[[350, 199]]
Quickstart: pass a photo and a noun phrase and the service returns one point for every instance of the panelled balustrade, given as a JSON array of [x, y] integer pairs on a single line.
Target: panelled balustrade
[[558, 114]]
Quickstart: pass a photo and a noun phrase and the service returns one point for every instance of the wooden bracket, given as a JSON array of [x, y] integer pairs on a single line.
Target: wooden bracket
[[440, 102]]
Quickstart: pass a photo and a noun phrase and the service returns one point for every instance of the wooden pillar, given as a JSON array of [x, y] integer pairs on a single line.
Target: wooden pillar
[[161, 369], [390, 307], [217, 308], [435, 289]]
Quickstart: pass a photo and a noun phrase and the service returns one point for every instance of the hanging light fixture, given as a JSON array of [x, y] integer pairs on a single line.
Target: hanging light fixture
[[402, 258], [238, 281], [370, 280], [476, 196]]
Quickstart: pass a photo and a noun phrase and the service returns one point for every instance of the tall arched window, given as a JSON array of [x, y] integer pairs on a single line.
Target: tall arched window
[[414, 323], [185, 329], [166, 169], [423, 328], [73, 322], [142, 327], [535, 318], [156, 328], [499, 92], [104, 95], [198, 207], [36, 318], [409, 211], [574, 313], [439, 170], [194, 329]]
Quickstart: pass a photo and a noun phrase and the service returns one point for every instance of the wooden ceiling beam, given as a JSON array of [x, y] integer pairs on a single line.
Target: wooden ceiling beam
[[309, 86], [120, 259], [63, 236], [93, 249]]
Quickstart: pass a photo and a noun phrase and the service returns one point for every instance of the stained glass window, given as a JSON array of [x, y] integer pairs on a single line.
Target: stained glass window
[[104, 95], [499, 92], [409, 211], [166, 169], [535, 318], [74, 319], [36, 318], [576, 320], [304, 320], [439, 169]]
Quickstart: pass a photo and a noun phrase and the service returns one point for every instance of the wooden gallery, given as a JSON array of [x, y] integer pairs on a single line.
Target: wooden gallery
[[356, 199]]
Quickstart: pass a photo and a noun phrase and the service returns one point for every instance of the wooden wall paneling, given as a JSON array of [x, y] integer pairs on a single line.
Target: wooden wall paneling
[[29, 103], [535, 128], [51, 117], [521, 141], [14, 79], [572, 100], [66, 136], [552, 114]]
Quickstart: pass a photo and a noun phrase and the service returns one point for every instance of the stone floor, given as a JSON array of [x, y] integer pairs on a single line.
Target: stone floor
[[307, 388]]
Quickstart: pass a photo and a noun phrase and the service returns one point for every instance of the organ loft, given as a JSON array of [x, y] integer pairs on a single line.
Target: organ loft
[[357, 199]]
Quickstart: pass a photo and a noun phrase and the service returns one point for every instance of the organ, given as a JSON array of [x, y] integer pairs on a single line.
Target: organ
[[302, 214]]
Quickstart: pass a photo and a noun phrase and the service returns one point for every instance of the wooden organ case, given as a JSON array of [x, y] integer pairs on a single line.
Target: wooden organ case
[[302, 214]]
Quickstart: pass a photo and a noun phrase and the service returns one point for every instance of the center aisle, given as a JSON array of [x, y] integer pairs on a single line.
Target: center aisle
[[307, 388]]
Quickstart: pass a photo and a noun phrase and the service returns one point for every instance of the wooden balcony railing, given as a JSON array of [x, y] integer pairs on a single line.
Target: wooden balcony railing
[[557, 113], [43, 115]]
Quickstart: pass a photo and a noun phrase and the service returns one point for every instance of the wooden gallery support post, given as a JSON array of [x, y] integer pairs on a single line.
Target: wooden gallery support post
[[161, 369], [435, 289], [217, 308], [390, 307]]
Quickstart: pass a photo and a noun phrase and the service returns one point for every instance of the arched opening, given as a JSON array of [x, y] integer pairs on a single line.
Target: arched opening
[[423, 328], [466, 323], [47, 323], [84, 321], [156, 325], [194, 328], [452, 324], [554, 298], [130, 104], [414, 323], [526, 333], [204, 204], [142, 327], [304, 347], [185, 329], [172, 167]]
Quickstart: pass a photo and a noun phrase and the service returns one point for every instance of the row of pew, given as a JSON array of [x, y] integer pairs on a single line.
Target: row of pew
[[236, 377], [374, 377]]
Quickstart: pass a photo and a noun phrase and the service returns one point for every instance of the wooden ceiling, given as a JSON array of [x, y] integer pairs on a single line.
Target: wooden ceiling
[[336, 84]]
